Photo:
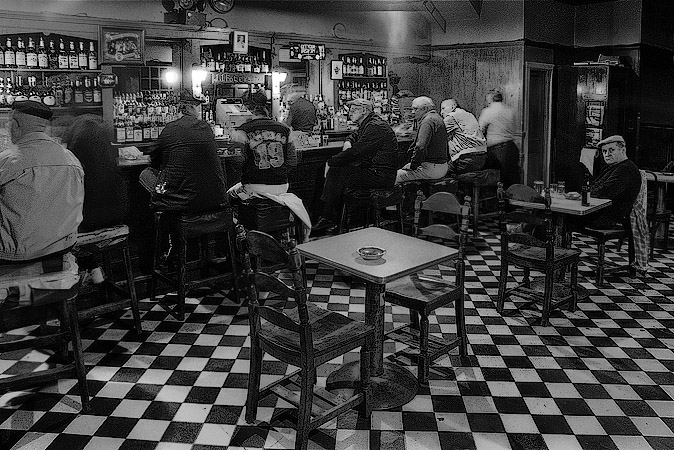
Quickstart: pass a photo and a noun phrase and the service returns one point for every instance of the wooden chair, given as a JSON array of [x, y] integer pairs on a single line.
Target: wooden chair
[[374, 200], [197, 228], [302, 335], [102, 244], [656, 218], [423, 294], [530, 244]]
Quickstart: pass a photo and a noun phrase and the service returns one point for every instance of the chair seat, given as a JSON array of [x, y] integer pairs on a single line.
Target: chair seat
[[103, 237], [378, 198], [519, 252], [421, 295], [199, 224], [486, 177], [605, 234], [330, 331]]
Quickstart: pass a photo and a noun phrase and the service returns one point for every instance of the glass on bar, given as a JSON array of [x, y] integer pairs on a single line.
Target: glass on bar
[[553, 189], [538, 185], [561, 188]]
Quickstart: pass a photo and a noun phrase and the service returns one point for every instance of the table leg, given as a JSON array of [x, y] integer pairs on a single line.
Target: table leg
[[392, 385]]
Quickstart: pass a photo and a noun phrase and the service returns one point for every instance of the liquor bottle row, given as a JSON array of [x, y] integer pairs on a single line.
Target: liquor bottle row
[[48, 58], [141, 116], [363, 65], [214, 61], [83, 91], [350, 89]]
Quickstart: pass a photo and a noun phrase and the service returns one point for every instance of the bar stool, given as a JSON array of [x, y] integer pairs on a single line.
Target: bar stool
[[373, 200], [102, 244], [190, 227], [42, 296], [268, 216], [476, 182]]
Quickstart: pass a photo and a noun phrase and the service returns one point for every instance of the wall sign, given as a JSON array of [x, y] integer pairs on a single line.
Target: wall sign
[[303, 50], [337, 70], [240, 42], [122, 45], [107, 80]]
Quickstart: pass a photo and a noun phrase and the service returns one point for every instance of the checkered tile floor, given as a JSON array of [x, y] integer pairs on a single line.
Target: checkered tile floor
[[599, 378]]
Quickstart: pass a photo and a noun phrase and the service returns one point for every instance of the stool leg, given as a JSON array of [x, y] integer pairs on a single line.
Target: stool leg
[[233, 265], [132, 288], [342, 220], [401, 223], [601, 250], [182, 279], [377, 217], [476, 209], [70, 316]]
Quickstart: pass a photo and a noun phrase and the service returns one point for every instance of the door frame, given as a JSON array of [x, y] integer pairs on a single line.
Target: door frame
[[547, 133]]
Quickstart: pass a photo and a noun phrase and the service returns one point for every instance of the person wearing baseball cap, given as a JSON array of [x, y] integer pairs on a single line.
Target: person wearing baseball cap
[[42, 187], [367, 160]]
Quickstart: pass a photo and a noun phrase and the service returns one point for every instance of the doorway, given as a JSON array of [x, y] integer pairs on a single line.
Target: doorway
[[537, 122]]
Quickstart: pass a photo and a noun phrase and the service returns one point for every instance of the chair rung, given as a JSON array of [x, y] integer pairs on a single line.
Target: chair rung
[[410, 336], [105, 308], [48, 340], [25, 380]]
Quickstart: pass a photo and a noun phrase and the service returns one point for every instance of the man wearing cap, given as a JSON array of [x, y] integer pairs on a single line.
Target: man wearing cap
[[618, 181], [185, 172], [429, 149], [41, 189], [367, 160], [467, 145]]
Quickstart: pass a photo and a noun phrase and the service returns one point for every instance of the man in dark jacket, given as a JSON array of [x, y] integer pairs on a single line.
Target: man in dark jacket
[[367, 160], [429, 149], [186, 174]]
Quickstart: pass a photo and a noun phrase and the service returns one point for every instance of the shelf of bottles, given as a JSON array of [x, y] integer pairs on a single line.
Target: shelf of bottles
[[140, 117], [364, 76], [57, 70], [220, 58]]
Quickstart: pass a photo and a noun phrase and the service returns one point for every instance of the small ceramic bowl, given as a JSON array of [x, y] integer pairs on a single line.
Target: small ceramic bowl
[[371, 253]]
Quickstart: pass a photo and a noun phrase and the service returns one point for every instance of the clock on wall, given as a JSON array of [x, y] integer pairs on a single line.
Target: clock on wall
[[221, 6], [339, 30]]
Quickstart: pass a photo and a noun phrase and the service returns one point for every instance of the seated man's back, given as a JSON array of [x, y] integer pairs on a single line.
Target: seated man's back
[[41, 189]]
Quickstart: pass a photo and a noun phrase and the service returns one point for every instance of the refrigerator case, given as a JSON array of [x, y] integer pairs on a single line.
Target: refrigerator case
[[593, 102]]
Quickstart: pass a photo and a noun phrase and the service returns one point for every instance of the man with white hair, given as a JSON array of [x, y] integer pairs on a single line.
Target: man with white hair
[[429, 149], [467, 145], [41, 189], [497, 122], [302, 114]]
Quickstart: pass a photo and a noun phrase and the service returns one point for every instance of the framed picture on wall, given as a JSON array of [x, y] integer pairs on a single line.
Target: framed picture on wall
[[122, 45], [240, 41], [337, 70]]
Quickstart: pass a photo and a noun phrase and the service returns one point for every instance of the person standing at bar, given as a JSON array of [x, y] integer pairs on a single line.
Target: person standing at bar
[[429, 149], [497, 122], [367, 160], [467, 145], [302, 114]]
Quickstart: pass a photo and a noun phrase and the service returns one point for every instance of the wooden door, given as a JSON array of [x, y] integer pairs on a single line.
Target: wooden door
[[537, 120]]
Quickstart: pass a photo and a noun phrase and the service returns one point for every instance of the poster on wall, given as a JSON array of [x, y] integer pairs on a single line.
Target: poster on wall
[[122, 45], [593, 136], [594, 114], [337, 70], [240, 42]]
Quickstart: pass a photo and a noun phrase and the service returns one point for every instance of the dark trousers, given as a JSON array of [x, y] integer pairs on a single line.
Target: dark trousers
[[340, 178], [507, 156], [468, 162]]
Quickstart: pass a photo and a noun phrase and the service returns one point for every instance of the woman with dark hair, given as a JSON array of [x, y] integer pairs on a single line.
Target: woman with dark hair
[[88, 138]]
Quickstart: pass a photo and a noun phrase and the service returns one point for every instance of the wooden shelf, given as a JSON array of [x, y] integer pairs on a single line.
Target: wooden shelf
[[6, 69], [62, 108]]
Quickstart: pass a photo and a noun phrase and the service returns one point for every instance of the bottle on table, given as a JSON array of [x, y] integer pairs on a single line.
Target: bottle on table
[[585, 191]]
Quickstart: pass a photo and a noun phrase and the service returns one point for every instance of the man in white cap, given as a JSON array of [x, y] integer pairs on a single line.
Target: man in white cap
[[618, 181], [41, 189], [367, 160]]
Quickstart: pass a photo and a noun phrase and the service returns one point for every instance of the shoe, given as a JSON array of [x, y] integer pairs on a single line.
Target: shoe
[[323, 224]]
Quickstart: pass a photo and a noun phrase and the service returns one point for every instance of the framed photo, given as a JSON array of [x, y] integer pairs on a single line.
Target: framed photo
[[240, 41], [122, 45], [336, 69]]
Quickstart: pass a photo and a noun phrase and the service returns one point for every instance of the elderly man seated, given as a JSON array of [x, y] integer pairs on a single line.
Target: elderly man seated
[[467, 145], [41, 189]]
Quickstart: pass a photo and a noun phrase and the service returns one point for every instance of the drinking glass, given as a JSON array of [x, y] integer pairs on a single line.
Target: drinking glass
[[538, 185], [553, 189], [561, 188]]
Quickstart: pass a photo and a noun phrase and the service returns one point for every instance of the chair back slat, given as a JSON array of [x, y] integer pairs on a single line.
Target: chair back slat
[[529, 227], [439, 202]]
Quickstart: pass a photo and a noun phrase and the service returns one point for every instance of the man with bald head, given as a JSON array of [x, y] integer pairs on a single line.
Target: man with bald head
[[302, 114], [467, 145], [41, 189], [429, 149]]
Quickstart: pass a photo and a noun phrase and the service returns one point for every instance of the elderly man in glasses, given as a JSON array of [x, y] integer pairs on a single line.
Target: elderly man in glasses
[[429, 149]]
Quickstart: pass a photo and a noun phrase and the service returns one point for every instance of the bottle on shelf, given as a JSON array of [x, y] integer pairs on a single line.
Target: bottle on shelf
[[68, 94], [137, 130], [10, 55], [78, 92], [31, 54], [63, 56], [88, 91], [82, 57], [20, 54], [73, 60], [92, 57], [52, 55], [97, 94], [59, 94], [20, 90], [3, 102], [9, 91], [120, 130], [42, 55]]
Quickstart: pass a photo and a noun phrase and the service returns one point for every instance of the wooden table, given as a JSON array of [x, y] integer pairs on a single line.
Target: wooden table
[[392, 385], [561, 206]]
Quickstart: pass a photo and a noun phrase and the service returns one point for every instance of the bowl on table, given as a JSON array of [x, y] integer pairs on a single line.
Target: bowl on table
[[572, 196], [371, 252]]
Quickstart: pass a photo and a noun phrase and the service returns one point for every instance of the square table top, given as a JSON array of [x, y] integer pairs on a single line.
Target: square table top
[[567, 206], [663, 177], [404, 254]]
